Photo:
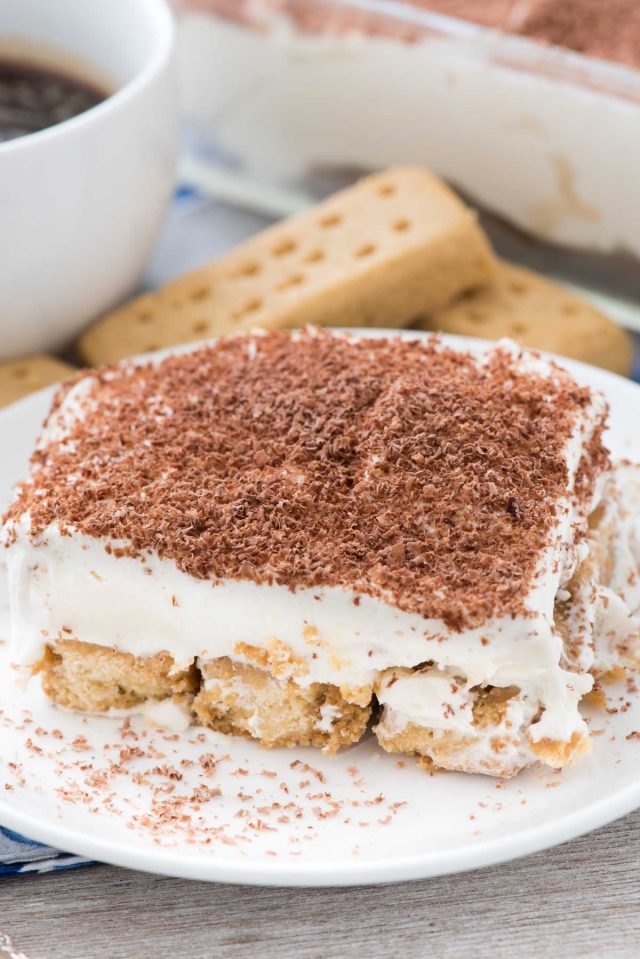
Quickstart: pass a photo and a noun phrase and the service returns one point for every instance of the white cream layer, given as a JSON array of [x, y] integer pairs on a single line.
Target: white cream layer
[[69, 586], [440, 701]]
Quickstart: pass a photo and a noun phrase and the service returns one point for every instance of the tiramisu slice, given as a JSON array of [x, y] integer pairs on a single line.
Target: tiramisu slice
[[278, 534]]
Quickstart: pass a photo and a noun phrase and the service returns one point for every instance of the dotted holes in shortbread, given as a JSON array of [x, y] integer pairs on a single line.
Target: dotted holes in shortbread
[[331, 219], [247, 269], [401, 225], [367, 250], [199, 294], [200, 326], [386, 189], [251, 306], [284, 247], [314, 256], [296, 280]]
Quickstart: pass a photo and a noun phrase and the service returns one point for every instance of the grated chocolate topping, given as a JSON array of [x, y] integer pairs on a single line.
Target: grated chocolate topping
[[394, 468]]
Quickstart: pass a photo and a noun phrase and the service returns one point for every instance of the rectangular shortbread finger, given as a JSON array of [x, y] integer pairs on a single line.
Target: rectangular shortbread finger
[[20, 377], [395, 246], [539, 314]]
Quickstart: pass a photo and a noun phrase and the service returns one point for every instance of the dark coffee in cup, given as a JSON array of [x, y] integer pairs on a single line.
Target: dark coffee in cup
[[33, 98]]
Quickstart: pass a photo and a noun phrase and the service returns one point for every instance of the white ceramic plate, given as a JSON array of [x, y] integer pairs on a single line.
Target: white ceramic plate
[[134, 796]]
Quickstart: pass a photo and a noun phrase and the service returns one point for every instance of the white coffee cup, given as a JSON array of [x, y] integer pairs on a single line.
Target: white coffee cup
[[82, 201]]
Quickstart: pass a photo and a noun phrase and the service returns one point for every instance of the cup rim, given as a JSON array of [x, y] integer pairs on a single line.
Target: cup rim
[[158, 57]]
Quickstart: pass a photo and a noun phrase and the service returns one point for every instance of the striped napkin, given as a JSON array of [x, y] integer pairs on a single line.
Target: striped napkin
[[18, 854]]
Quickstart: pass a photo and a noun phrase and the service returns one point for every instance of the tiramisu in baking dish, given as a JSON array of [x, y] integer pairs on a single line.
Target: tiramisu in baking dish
[[289, 535]]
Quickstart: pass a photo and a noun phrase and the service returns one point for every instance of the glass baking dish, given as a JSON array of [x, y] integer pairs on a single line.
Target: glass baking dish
[[544, 140]]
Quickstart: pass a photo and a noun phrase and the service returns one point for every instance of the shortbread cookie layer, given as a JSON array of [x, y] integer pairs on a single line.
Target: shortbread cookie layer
[[95, 679], [230, 697], [240, 699]]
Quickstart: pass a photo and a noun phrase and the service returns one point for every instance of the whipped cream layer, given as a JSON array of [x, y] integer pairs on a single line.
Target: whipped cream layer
[[70, 587], [64, 583], [440, 701]]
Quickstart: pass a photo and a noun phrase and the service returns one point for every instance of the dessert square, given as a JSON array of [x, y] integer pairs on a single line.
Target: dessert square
[[289, 535]]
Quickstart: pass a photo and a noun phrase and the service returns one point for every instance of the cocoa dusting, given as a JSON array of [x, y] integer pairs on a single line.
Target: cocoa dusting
[[392, 468]]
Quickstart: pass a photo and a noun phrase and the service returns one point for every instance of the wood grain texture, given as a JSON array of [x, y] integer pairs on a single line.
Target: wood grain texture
[[580, 899]]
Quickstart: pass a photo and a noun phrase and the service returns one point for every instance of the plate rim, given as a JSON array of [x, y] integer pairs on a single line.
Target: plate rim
[[165, 861], [169, 861]]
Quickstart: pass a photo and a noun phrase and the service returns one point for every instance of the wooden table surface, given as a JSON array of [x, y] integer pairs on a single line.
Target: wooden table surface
[[581, 899]]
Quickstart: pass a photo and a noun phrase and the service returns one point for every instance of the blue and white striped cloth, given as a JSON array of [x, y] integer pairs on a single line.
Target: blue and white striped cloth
[[18, 854]]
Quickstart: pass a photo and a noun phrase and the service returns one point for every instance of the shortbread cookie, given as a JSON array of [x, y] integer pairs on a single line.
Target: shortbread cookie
[[18, 378], [242, 700], [538, 313], [395, 246], [95, 678]]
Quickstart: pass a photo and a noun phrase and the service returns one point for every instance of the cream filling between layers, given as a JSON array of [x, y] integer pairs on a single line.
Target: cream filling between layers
[[437, 700], [69, 586]]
